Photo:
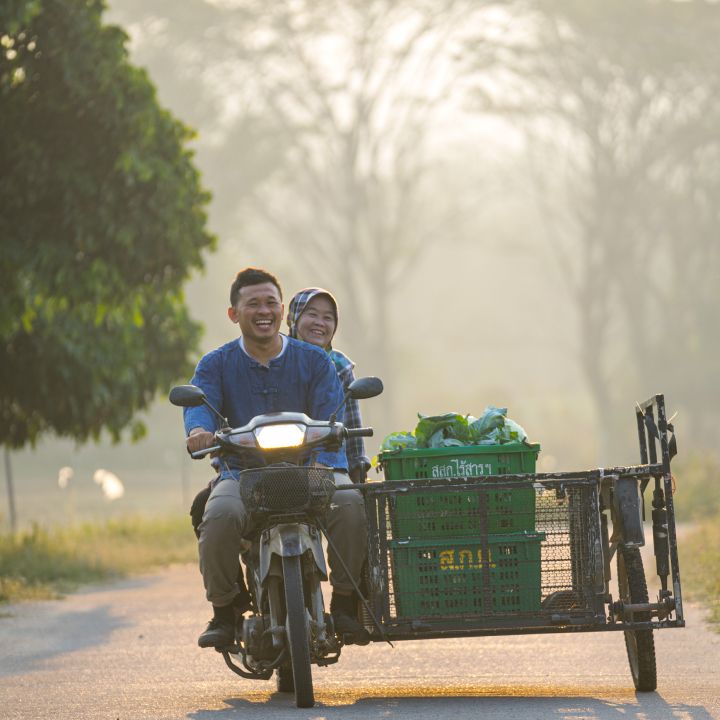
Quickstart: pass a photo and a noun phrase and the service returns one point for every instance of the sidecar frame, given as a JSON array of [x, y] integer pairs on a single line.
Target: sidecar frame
[[583, 519]]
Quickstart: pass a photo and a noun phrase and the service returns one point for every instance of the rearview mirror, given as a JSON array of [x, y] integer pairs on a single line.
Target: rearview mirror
[[187, 396], [364, 388]]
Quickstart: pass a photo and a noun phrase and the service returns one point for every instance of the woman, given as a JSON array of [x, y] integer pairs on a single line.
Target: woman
[[313, 318]]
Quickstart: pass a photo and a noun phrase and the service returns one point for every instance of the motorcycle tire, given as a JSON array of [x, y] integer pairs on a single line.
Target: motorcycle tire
[[640, 644], [297, 632]]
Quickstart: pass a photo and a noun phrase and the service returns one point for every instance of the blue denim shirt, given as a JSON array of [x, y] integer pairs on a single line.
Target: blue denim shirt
[[301, 379]]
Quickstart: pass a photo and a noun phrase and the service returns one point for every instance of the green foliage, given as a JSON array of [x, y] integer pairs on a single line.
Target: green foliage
[[35, 565], [493, 427], [434, 430], [398, 441], [697, 493], [102, 219], [42, 564]]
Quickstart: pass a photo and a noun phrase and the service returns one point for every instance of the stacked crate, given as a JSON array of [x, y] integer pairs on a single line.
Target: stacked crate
[[459, 551]]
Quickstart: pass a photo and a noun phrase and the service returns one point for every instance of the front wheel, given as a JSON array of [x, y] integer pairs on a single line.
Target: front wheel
[[297, 632], [640, 644]]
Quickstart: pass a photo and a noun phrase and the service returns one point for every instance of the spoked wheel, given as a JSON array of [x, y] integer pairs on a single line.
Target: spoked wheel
[[297, 631], [639, 643]]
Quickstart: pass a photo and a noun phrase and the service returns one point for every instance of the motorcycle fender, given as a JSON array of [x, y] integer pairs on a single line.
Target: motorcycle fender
[[288, 540]]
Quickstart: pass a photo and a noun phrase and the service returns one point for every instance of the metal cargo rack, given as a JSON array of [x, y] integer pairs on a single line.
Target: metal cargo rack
[[554, 576]]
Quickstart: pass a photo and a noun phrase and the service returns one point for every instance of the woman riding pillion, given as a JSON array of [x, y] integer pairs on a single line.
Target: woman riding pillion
[[313, 318]]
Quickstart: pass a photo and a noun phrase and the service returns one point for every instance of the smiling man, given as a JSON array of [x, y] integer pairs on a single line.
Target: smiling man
[[263, 372]]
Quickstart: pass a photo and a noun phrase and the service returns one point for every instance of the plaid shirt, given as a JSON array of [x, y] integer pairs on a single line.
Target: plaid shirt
[[354, 447]]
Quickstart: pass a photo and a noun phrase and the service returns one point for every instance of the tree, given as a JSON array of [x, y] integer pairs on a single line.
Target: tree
[[350, 96], [620, 101], [102, 219]]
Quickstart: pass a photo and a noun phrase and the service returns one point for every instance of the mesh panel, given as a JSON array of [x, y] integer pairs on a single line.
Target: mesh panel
[[287, 489], [503, 551], [571, 554]]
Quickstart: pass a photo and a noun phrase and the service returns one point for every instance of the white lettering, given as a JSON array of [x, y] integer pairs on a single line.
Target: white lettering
[[461, 468]]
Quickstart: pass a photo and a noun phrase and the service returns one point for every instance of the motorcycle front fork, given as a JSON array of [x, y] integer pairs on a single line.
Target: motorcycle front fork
[[321, 642]]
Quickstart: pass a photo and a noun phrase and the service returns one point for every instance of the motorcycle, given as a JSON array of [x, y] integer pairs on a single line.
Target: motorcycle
[[287, 497], [462, 542]]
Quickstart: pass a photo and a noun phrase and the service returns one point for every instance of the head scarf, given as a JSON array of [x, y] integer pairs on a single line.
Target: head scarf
[[299, 304]]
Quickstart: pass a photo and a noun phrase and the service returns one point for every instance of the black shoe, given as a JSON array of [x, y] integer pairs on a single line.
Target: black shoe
[[218, 633], [343, 609]]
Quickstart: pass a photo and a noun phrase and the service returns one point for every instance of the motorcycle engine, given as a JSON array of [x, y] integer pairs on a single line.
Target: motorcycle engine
[[256, 638]]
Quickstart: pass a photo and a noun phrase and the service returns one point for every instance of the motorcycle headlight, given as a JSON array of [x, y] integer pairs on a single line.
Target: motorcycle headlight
[[280, 436]]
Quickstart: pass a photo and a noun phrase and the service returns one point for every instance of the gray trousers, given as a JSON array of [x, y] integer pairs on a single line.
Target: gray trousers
[[226, 522]]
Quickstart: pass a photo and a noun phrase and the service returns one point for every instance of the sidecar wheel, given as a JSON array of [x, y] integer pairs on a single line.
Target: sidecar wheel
[[640, 644], [297, 632]]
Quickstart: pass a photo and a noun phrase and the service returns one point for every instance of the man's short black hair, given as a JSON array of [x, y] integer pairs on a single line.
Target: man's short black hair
[[251, 276]]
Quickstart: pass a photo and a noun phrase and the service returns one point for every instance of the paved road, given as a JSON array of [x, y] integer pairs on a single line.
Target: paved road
[[127, 651]]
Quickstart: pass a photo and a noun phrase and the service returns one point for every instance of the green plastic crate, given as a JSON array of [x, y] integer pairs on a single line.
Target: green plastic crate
[[451, 514], [458, 576], [439, 513], [470, 461]]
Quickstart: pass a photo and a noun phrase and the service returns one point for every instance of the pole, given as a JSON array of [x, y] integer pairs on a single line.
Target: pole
[[10, 492]]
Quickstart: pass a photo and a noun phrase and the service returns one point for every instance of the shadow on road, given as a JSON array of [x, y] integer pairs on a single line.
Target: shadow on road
[[26, 646], [484, 705], [36, 632]]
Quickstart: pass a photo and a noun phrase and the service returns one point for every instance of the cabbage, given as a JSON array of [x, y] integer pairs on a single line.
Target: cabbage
[[493, 427], [398, 441]]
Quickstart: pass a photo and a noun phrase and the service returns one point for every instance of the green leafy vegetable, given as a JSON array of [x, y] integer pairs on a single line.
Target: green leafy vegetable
[[398, 441], [493, 427]]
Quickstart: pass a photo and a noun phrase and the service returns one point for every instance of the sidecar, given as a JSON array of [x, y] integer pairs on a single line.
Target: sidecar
[[488, 546]]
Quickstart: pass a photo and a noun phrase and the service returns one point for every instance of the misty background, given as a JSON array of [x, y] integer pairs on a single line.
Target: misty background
[[515, 204]]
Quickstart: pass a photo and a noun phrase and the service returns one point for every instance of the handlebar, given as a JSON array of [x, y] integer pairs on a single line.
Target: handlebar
[[344, 432], [358, 432], [200, 454]]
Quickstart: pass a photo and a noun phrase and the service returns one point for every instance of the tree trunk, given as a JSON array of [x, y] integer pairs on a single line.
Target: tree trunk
[[10, 493]]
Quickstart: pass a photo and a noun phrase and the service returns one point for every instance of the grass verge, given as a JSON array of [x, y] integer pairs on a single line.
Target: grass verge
[[700, 567], [41, 564]]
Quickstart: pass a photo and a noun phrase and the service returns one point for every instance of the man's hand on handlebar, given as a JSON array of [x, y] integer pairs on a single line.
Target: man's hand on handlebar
[[199, 439]]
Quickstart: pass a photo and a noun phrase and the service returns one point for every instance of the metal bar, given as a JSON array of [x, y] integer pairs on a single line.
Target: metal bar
[[415, 634], [670, 506], [652, 440], [647, 438], [662, 431], [648, 403], [641, 435], [467, 483], [660, 607]]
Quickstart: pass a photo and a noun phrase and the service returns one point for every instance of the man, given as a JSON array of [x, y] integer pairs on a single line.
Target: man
[[261, 372]]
